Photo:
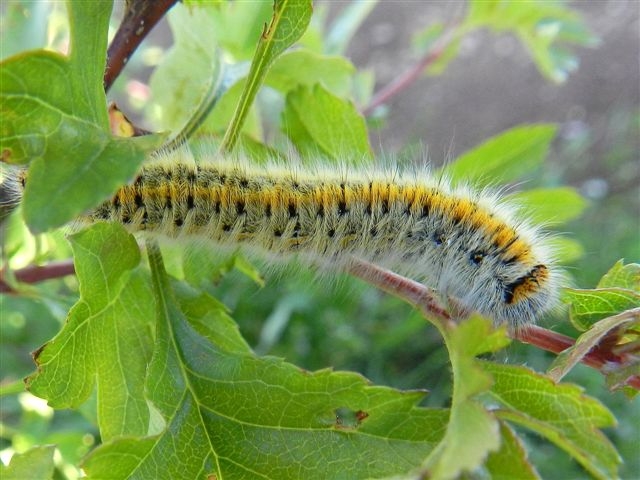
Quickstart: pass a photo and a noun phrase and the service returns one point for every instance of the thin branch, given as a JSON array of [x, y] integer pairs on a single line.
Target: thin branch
[[414, 293], [37, 273], [424, 298], [413, 73], [411, 291], [139, 19]]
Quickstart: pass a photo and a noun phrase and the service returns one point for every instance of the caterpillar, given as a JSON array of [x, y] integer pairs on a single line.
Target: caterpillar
[[464, 243]]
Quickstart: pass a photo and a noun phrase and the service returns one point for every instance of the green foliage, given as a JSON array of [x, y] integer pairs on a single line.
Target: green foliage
[[37, 462], [546, 29], [504, 158], [609, 313], [159, 366], [47, 102], [319, 123], [288, 23]]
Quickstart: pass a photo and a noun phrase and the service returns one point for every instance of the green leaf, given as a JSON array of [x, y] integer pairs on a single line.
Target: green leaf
[[346, 24], [505, 157], [423, 40], [472, 432], [511, 460], [106, 338], [36, 463], [440, 64], [225, 107], [319, 123], [545, 28], [302, 67], [551, 205], [590, 306], [191, 70], [238, 25], [23, 27], [48, 102], [622, 276], [243, 415], [289, 21], [559, 412], [569, 358], [56, 190]]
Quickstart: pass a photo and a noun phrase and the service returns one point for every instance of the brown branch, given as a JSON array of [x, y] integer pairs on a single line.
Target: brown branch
[[412, 74], [139, 19], [411, 291], [36, 273], [424, 298]]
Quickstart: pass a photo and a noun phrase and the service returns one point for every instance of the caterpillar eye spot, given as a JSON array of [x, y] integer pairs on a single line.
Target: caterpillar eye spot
[[277, 233], [526, 285], [476, 257]]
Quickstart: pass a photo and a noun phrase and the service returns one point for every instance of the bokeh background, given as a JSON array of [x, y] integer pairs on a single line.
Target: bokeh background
[[492, 86]]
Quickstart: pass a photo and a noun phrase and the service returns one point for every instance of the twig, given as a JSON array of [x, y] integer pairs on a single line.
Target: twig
[[424, 298], [36, 273], [410, 291], [412, 74], [139, 19]]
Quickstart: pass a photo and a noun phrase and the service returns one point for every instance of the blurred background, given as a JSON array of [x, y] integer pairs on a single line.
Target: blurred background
[[491, 86]]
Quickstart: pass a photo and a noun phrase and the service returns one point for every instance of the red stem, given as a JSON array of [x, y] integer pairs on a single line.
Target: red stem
[[36, 273], [411, 75], [424, 298], [409, 290]]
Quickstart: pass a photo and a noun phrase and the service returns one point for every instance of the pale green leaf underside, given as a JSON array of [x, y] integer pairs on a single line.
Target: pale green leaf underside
[[36, 463], [107, 337]]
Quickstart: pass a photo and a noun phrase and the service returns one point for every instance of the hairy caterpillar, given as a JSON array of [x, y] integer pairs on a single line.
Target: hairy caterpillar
[[465, 244]]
